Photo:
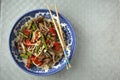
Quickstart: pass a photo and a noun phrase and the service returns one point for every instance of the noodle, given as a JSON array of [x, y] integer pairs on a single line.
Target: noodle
[[38, 43]]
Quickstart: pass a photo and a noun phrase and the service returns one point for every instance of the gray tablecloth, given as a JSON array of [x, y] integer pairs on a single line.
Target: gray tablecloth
[[97, 27]]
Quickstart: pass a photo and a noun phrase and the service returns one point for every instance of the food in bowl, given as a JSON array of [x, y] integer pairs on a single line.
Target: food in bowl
[[38, 43], [69, 37]]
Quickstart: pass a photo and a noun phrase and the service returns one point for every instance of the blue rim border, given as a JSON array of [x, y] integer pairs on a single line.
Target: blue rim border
[[73, 47]]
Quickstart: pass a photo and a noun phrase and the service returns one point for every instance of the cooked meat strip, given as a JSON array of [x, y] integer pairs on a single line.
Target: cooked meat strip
[[47, 60], [39, 20]]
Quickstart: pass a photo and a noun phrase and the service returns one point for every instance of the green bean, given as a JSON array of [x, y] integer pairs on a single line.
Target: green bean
[[24, 56], [23, 34], [28, 53], [43, 41]]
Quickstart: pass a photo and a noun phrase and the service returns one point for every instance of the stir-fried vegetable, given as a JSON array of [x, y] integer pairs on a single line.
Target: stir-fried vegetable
[[28, 42], [23, 34], [37, 48], [34, 27], [30, 24], [43, 41], [28, 63], [57, 46], [52, 31], [38, 43], [24, 56], [27, 32], [28, 53]]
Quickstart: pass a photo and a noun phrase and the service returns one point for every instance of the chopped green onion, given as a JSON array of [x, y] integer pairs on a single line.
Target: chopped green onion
[[43, 41], [37, 48], [30, 24], [23, 34], [30, 36], [34, 27], [29, 53], [24, 56]]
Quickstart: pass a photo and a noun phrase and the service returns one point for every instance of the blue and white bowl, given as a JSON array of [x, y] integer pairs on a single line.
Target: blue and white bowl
[[70, 37]]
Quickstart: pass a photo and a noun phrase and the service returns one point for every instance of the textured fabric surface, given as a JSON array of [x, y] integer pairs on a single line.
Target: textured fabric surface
[[97, 27]]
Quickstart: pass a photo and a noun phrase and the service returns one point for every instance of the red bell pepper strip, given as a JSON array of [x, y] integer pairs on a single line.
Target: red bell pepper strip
[[28, 63], [36, 61], [27, 32], [57, 46], [28, 42], [52, 31]]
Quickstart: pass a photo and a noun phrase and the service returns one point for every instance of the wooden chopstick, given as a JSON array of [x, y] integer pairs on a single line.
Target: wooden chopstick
[[61, 32], [58, 19], [59, 36]]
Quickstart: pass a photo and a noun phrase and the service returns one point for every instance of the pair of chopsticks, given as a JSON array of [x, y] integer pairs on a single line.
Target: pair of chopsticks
[[60, 35]]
